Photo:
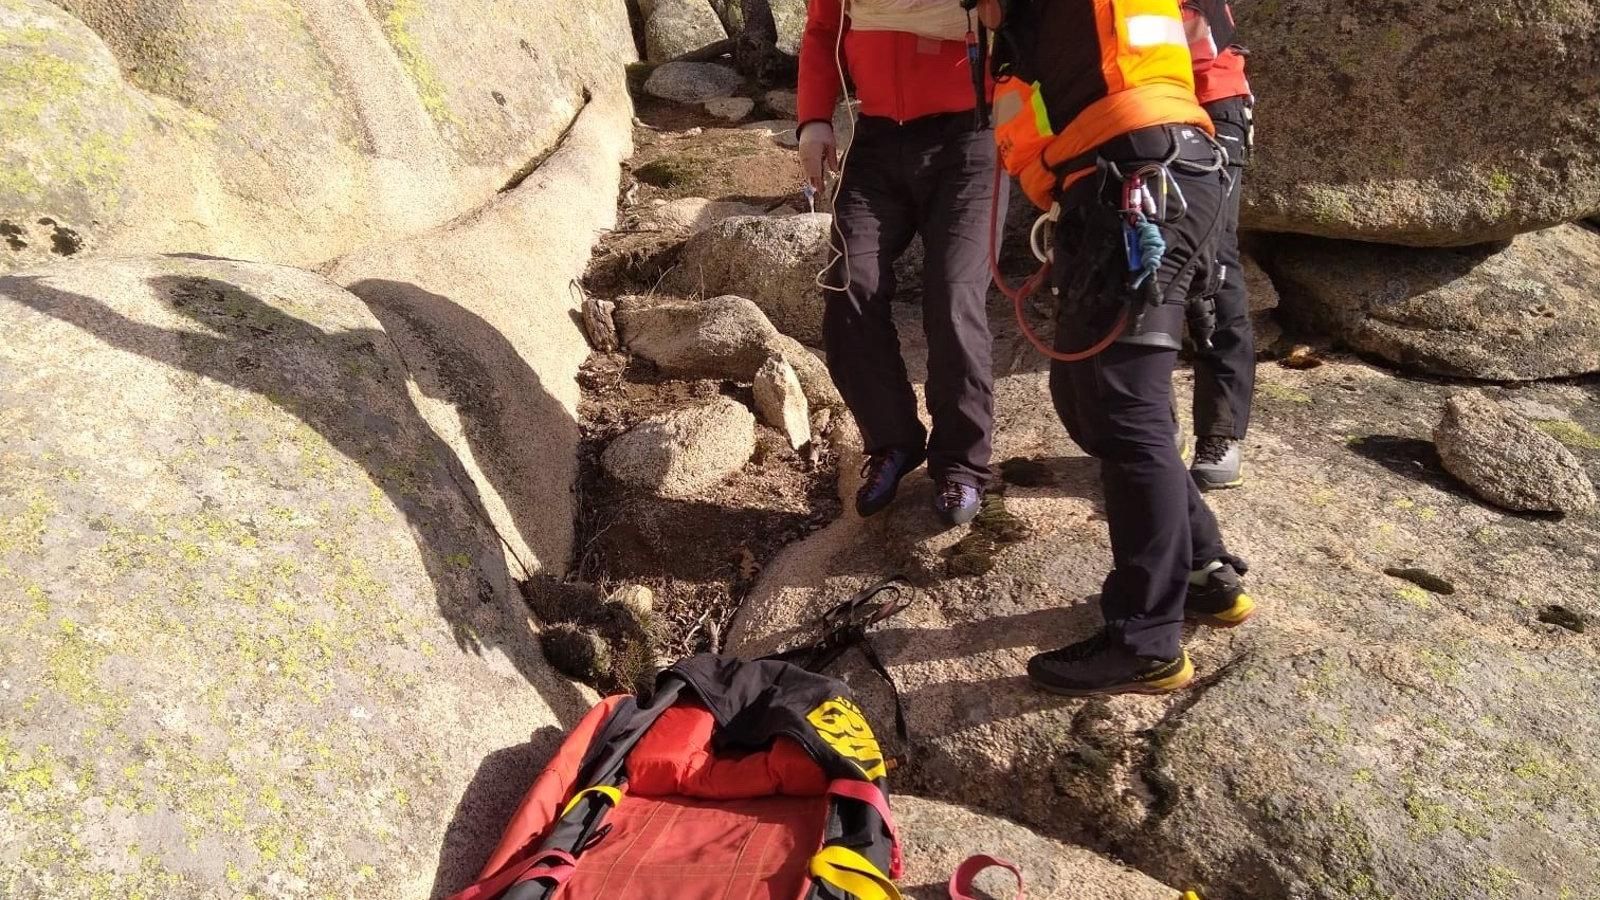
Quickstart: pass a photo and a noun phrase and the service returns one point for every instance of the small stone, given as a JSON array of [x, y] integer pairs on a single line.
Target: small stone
[[690, 82], [675, 27], [781, 403], [598, 324], [730, 109], [774, 262], [1422, 578], [685, 451], [785, 104], [695, 214], [783, 131], [1302, 357], [726, 338], [575, 652], [635, 597], [1507, 460]]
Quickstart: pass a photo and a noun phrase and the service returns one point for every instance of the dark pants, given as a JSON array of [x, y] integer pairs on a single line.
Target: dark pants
[[1225, 373], [1118, 407], [934, 177]]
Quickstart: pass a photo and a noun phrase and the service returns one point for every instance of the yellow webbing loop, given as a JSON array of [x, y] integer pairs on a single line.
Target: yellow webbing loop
[[610, 793], [849, 871]]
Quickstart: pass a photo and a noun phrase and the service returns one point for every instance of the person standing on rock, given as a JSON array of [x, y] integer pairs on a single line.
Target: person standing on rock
[[1096, 113], [1225, 367], [919, 163]]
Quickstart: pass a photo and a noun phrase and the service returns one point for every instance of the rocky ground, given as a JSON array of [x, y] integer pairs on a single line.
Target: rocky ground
[[1394, 723], [280, 548]]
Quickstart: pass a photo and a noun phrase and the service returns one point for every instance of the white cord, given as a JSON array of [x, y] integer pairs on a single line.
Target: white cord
[[842, 252]]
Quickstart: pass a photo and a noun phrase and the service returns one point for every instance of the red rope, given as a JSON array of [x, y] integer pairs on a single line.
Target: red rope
[[1019, 295]]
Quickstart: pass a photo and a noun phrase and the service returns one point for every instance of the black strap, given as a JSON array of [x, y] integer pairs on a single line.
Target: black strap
[[845, 626]]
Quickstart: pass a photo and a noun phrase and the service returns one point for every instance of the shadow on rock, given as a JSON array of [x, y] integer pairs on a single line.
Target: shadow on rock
[[253, 346], [507, 416], [487, 805], [1412, 458]]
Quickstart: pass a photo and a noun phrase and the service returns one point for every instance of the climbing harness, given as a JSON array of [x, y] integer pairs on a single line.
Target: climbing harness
[[845, 626], [1150, 197]]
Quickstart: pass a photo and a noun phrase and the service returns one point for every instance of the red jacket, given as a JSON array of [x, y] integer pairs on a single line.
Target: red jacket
[[897, 75], [1218, 61]]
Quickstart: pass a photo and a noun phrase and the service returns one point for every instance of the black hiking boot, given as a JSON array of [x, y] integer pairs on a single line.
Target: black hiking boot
[[882, 473], [1101, 665], [1216, 596]]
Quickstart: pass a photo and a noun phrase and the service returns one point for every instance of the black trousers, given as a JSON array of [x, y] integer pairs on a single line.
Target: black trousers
[[1225, 372], [1117, 406], [932, 176]]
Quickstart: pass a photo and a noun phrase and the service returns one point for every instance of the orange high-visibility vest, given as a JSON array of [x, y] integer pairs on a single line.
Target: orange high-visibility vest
[[1081, 73]]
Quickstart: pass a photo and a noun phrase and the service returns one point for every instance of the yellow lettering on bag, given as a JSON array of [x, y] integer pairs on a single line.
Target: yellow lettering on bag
[[841, 724]]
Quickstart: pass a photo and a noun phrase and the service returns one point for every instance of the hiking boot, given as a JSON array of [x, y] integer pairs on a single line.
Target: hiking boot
[[956, 503], [1217, 463], [881, 479], [1101, 665], [1217, 598]]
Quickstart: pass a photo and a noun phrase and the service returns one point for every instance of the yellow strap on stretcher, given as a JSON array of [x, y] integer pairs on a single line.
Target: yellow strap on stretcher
[[849, 871], [606, 791]]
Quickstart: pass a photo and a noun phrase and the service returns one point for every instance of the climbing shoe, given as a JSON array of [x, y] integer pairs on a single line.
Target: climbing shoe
[[1217, 463], [1217, 598], [956, 503], [881, 479], [1101, 665]]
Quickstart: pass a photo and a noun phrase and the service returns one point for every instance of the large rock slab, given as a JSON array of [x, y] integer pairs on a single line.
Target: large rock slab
[[725, 337], [1508, 461], [251, 616], [1364, 737], [488, 320], [773, 261], [1525, 310], [939, 836], [269, 129], [1423, 122]]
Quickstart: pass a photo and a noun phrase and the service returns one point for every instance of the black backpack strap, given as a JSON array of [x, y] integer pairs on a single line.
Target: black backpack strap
[[845, 626]]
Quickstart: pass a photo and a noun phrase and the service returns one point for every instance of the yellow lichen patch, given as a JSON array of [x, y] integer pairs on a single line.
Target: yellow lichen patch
[[45, 97], [25, 531], [1570, 433], [1415, 596], [399, 24]]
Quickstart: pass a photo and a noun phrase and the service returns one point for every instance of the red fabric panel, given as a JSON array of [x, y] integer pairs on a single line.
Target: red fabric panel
[[898, 75], [681, 848], [674, 758], [550, 791]]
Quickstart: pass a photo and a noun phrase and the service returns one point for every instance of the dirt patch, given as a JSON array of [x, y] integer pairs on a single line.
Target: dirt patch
[[700, 555]]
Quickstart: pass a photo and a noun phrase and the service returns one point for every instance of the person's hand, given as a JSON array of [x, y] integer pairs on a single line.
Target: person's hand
[[819, 153]]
